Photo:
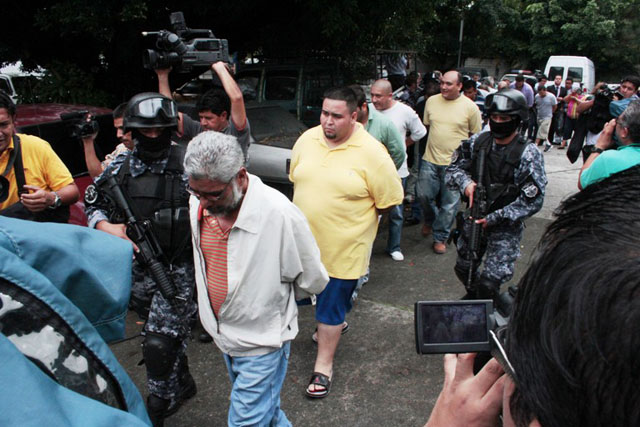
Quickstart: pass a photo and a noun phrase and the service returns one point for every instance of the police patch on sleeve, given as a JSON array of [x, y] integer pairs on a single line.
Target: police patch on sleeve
[[530, 190], [90, 195]]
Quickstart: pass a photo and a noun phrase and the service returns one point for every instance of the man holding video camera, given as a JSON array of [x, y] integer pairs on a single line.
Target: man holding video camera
[[513, 180], [219, 109], [35, 184], [570, 349]]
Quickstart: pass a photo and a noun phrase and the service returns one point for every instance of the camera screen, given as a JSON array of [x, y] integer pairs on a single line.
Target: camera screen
[[454, 323], [453, 327]]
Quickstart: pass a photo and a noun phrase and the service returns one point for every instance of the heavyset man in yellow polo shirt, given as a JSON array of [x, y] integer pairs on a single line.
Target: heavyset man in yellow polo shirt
[[49, 186], [343, 178]]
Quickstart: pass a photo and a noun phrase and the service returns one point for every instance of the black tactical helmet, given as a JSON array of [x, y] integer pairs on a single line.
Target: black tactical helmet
[[150, 110], [507, 101]]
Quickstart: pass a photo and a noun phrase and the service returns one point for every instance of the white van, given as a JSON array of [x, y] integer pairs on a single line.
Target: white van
[[579, 68]]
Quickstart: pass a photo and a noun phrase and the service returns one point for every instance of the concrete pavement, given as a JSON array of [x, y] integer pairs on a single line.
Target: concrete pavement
[[379, 379]]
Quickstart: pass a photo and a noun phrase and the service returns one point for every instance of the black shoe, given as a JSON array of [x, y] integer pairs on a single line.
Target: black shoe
[[408, 222], [188, 389], [547, 148]]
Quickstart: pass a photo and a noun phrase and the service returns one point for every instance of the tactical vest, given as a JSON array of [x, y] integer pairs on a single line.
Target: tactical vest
[[162, 199], [500, 166]]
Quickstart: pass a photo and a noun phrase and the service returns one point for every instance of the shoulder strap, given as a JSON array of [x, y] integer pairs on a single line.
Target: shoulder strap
[[176, 158], [516, 150], [17, 165]]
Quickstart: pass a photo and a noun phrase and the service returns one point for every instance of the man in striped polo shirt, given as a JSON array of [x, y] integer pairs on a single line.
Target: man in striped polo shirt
[[253, 250]]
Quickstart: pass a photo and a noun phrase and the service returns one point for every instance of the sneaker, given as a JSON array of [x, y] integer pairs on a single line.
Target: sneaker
[[439, 248], [397, 256], [547, 147]]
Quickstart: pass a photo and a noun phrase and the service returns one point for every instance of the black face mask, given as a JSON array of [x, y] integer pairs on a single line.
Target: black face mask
[[501, 130], [150, 149]]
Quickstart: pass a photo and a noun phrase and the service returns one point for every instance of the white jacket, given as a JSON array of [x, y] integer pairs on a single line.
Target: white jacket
[[270, 252]]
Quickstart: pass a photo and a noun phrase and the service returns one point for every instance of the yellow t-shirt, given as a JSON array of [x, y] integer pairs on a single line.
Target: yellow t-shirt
[[449, 123], [338, 189], [42, 167]]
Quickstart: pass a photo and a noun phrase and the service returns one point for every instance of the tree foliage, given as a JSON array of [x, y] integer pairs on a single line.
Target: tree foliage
[[93, 48]]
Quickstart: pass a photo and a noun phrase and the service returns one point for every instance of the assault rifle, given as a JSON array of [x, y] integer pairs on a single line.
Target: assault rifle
[[149, 252], [478, 211]]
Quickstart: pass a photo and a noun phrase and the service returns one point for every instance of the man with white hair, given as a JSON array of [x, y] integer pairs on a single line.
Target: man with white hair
[[253, 250]]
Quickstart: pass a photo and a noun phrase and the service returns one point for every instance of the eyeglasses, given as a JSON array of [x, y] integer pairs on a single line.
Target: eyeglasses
[[213, 196], [499, 339]]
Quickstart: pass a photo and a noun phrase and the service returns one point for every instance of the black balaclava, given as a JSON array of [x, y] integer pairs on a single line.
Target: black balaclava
[[501, 130], [150, 149]]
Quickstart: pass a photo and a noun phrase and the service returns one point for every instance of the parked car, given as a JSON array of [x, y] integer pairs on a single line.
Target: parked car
[[296, 87], [529, 78]]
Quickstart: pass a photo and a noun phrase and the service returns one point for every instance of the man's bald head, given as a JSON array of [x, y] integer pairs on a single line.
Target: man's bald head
[[451, 85], [382, 95]]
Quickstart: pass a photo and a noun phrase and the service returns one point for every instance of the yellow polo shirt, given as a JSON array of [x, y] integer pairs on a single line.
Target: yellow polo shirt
[[42, 167], [339, 189], [449, 123]]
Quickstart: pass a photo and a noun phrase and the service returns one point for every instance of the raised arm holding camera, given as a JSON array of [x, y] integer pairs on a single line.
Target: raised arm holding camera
[[515, 180], [219, 109]]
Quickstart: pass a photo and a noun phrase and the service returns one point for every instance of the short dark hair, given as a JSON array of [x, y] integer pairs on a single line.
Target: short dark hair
[[118, 112], [634, 80], [572, 337], [542, 77], [520, 78], [568, 79], [361, 97], [7, 102], [412, 78], [469, 84], [345, 94], [541, 88], [215, 100]]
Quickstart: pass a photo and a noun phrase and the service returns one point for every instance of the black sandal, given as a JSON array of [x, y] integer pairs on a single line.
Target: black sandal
[[321, 380]]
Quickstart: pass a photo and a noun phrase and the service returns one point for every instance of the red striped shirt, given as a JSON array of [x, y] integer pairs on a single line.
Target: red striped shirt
[[213, 242]]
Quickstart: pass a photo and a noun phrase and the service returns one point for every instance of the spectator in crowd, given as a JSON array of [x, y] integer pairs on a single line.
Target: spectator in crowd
[[572, 101], [569, 353], [470, 90], [409, 125], [557, 121], [219, 109], [343, 178], [629, 91], [451, 117], [601, 163], [527, 91], [94, 166], [38, 186], [545, 107], [256, 252]]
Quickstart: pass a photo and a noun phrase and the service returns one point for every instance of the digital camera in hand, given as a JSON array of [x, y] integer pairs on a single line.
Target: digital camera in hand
[[460, 326]]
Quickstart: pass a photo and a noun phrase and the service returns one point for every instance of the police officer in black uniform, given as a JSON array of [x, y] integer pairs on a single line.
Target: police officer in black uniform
[[151, 178], [515, 180]]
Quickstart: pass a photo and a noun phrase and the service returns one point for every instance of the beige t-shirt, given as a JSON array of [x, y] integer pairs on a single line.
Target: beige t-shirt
[[449, 123]]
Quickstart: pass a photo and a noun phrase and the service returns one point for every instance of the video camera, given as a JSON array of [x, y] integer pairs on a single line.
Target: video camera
[[465, 326], [185, 48], [79, 125]]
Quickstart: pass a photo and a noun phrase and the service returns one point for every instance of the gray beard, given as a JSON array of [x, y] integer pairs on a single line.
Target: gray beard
[[232, 206]]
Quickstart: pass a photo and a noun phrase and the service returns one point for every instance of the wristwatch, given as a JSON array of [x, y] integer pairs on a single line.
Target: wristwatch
[[597, 150], [56, 202]]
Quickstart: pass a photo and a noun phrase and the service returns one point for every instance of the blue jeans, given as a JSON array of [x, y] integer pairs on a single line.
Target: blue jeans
[[430, 184], [395, 229], [256, 382]]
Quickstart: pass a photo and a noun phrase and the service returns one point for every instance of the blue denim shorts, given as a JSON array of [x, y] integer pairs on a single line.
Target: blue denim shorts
[[333, 304]]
